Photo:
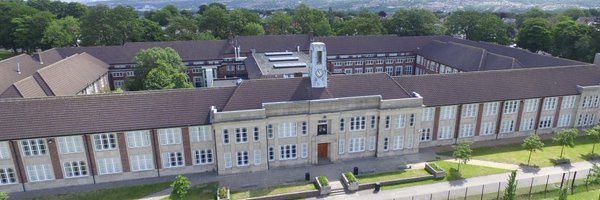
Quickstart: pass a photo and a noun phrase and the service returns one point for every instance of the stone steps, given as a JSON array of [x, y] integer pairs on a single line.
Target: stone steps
[[336, 188]]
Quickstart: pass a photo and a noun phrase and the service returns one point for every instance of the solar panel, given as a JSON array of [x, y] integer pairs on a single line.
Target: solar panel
[[289, 65], [278, 53], [283, 58]]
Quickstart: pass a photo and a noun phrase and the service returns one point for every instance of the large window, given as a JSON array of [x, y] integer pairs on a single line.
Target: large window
[[257, 157], [373, 121], [142, 162], [304, 128], [270, 134], [7, 176], [287, 129], [568, 102], [242, 158], [372, 142], [398, 142], [287, 152], [467, 130], [511, 106], [109, 165], [241, 135], [469, 110], [527, 124], [491, 108], [564, 120], [401, 121], [200, 133], [507, 126], [585, 119], [172, 159], [304, 147], [170, 136], [356, 145], [550, 103], [341, 146], [531, 105], [358, 123], [75, 169], [4, 150], [227, 159], [70, 144], [342, 125], [34, 147], [137, 139], [409, 140], [204, 156], [426, 134], [546, 122], [105, 141], [446, 132], [256, 134], [39, 173], [448, 112], [428, 114], [488, 128]]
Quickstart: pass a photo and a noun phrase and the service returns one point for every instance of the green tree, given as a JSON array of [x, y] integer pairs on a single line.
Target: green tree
[[30, 30], [203, 8], [181, 28], [4, 196], [477, 26], [366, 23], [462, 153], [158, 68], [594, 177], [532, 144], [565, 138], [181, 187], [252, 29], [240, 19], [575, 13], [594, 134], [563, 194], [510, 193], [535, 35], [62, 32], [8, 12], [146, 30], [573, 41], [279, 23], [415, 22], [105, 26], [59, 8], [309, 20], [214, 19], [162, 16], [535, 12], [204, 36]]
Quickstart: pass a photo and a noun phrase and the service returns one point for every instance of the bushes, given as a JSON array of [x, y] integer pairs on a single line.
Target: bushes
[[180, 186], [323, 180], [222, 193], [351, 178]]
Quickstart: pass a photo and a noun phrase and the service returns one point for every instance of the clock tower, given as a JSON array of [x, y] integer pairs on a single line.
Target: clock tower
[[318, 65]]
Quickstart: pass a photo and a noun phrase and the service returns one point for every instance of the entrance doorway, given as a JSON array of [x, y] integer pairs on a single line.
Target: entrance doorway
[[323, 153]]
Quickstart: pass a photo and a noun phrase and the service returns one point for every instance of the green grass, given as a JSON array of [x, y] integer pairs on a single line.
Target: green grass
[[6, 54], [372, 178], [516, 155], [133, 192], [466, 171], [204, 191], [242, 194]]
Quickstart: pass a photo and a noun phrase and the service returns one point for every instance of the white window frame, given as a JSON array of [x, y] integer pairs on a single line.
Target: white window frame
[[173, 159], [372, 142], [546, 122], [564, 120], [7, 176], [38, 173], [137, 139], [446, 132], [511, 107], [398, 142], [531, 105], [105, 141], [428, 114], [4, 151], [448, 112], [241, 135], [507, 126], [550, 103], [425, 134], [70, 144], [257, 157], [200, 133], [467, 130], [34, 147], [141, 162], [109, 165], [568, 102], [358, 123], [341, 146], [288, 129], [527, 124], [169, 136], [491, 108], [401, 122], [304, 150], [242, 158], [227, 160], [356, 145], [469, 110], [204, 157]]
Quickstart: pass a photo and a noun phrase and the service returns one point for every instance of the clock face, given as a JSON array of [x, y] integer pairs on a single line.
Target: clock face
[[319, 72]]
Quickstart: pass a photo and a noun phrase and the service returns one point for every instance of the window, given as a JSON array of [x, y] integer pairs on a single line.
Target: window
[[550, 103], [408, 70], [241, 67], [304, 147], [386, 142], [373, 121], [426, 134], [371, 143], [130, 74], [225, 136], [270, 134], [467, 130], [105, 141], [257, 157], [409, 141], [7, 176], [138, 139], [511, 106], [401, 121], [358, 70], [70, 144], [488, 128], [428, 114], [76, 169], [118, 83], [341, 146], [398, 70], [411, 121], [169, 136], [491, 108], [469, 110], [142, 162], [357, 123], [348, 71], [356, 145], [287, 152], [271, 154], [387, 122], [398, 142], [4, 151], [204, 156], [378, 69], [227, 158], [527, 124], [241, 135], [242, 158], [342, 125], [568, 102], [230, 68], [304, 128], [546, 122], [256, 134], [389, 70], [287, 129], [172, 159], [448, 112], [585, 119], [109, 166], [196, 70], [507, 126], [446, 132], [200, 133], [531, 105], [39, 173], [379, 62], [117, 74], [564, 120], [34, 147], [369, 70]]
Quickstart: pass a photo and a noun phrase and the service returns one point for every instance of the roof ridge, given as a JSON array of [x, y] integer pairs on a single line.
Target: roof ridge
[[399, 85], [483, 57], [500, 71], [58, 62]]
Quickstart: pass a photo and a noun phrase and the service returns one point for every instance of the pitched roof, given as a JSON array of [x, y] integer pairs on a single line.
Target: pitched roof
[[108, 54], [28, 65], [188, 50], [55, 116], [471, 87], [73, 74], [268, 43], [465, 57], [252, 94], [372, 43]]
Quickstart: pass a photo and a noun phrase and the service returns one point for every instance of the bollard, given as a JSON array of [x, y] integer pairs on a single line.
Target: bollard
[[307, 176], [355, 172], [377, 186]]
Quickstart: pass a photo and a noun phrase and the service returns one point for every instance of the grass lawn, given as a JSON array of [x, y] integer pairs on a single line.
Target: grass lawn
[[204, 191], [466, 171], [242, 194], [6, 54], [133, 192], [372, 178], [516, 155]]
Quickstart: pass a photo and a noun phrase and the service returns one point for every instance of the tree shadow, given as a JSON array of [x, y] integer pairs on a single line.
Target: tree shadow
[[564, 163], [455, 178], [590, 156], [529, 168]]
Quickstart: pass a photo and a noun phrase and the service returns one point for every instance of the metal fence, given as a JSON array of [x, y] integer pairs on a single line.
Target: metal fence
[[537, 187]]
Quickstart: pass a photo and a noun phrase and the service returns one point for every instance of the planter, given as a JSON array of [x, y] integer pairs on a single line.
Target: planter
[[323, 189], [352, 186], [223, 193], [435, 170]]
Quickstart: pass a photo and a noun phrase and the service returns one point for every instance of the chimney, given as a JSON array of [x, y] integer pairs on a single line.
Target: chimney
[[40, 57], [253, 51], [597, 60], [298, 48], [18, 68]]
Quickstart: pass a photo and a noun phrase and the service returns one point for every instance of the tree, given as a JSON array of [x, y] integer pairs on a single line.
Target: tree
[[158, 68], [239, 19], [366, 23], [563, 193], [4, 196], [535, 35], [594, 177], [532, 144], [311, 21], [462, 152], [62, 32], [415, 22], [252, 29], [279, 23], [510, 193], [146, 30], [162, 16], [594, 134], [477, 26], [180, 186], [214, 19], [105, 26], [535, 12], [203, 8], [29, 30], [181, 28], [573, 41], [564, 138]]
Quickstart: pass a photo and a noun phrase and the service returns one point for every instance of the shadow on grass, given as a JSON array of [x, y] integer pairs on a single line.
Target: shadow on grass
[[564, 163], [590, 156], [529, 168], [455, 177]]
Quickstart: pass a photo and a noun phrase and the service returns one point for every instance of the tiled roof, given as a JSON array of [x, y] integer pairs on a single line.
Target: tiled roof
[[341, 45], [55, 116], [471, 87], [73, 74], [188, 50], [465, 57], [269, 43], [108, 54], [28, 64]]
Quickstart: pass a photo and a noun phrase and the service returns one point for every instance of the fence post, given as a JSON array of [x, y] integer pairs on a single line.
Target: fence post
[[482, 191], [562, 180], [448, 194], [498, 194], [546, 187], [466, 191], [431, 196], [573, 182], [531, 187]]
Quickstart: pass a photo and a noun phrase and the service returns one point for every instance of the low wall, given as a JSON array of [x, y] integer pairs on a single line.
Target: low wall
[[292, 195]]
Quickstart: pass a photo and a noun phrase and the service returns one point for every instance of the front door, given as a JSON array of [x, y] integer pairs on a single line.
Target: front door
[[323, 151]]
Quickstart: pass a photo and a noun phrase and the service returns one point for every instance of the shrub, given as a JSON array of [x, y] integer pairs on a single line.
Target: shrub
[[435, 167], [351, 178], [323, 180], [223, 192], [3, 196], [180, 186]]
